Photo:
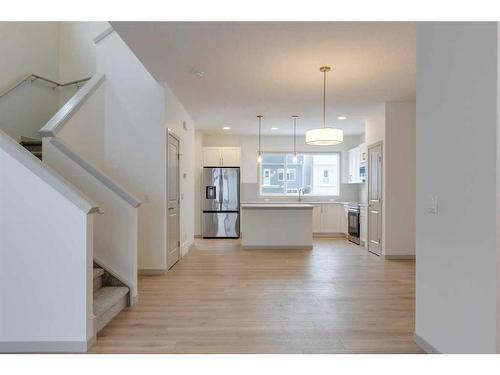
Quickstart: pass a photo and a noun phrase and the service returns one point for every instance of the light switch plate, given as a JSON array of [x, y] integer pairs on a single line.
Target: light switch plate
[[433, 205]]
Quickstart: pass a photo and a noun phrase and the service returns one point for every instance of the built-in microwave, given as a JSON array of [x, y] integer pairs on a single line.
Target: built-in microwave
[[362, 171]]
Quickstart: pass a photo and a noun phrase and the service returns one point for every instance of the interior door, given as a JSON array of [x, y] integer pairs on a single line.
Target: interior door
[[375, 199], [173, 219]]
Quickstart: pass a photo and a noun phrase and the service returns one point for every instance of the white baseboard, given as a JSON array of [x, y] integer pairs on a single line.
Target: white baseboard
[[277, 247], [91, 342], [424, 345], [399, 257], [329, 235], [152, 272], [186, 245], [44, 346]]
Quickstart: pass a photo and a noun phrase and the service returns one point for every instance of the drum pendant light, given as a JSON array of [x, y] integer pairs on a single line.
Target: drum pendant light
[[324, 136]]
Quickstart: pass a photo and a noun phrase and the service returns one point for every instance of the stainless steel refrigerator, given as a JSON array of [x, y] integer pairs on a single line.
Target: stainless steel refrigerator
[[221, 202]]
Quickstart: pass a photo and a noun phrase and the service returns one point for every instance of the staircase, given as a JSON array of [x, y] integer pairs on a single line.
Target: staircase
[[32, 145], [110, 297]]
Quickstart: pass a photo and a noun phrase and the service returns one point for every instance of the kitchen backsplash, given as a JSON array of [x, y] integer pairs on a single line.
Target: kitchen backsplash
[[348, 193]]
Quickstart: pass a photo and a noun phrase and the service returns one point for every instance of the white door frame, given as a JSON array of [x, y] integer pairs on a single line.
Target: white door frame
[[372, 145], [169, 132]]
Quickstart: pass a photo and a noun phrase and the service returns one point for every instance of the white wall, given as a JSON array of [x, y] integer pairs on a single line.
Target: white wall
[[393, 124], [84, 131], [457, 129], [400, 181], [198, 164], [176, 118], [76, 50], [45, 252], [134, 139], [76, 54], [115, 231], [27, 47]]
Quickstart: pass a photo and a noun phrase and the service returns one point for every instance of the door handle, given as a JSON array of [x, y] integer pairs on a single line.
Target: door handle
[[170, 208]]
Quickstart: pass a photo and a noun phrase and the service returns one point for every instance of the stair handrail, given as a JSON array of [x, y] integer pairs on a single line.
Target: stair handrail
[[69, 108], [34, 77]]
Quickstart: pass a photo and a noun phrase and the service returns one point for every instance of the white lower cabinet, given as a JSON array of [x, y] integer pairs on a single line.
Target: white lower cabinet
[[317, 218], [329, 219], [363, 224], [345, 219]]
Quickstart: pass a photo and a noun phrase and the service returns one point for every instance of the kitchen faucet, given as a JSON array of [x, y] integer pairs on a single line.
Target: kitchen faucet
[[301, 193]]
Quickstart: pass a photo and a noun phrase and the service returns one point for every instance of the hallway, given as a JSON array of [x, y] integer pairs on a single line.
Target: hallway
[[336, 298]]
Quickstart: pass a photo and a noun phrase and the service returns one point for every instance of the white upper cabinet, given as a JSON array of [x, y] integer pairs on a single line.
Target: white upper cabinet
[[357, 164], [212, 156], [221, 156], [231, 156]]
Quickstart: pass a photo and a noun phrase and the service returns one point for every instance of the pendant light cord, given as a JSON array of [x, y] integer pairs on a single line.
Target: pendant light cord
[[260, 132], [295, 135], [324, 99]]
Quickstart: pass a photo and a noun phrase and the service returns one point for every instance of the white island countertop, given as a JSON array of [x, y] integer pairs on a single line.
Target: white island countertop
[[296, 202], [278, 206]]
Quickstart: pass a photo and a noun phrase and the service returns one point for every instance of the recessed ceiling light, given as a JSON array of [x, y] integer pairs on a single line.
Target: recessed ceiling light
[[274, 128], [342, 118], [226, 128]]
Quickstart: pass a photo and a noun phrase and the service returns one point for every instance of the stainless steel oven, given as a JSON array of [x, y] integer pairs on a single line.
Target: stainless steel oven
[[353, 223]]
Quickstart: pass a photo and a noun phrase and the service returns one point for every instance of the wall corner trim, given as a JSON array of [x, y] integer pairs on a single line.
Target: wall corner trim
[[424, 345], [103, 35]]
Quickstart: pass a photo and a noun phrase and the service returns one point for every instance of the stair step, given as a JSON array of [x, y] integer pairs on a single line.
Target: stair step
[[38, 154], [31, 143], [108, 302], [98, 273]]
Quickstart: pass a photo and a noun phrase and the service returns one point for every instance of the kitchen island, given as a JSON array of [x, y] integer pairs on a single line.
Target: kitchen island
[[276, 226]]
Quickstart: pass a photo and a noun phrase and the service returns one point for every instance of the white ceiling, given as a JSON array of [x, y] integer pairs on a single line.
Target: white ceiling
[[272, 68]]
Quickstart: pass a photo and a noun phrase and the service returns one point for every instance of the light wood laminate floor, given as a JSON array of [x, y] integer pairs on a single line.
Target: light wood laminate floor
[[336, 298]]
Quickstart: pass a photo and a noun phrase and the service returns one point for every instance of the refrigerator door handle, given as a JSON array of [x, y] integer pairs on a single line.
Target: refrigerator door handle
[[221, 189]]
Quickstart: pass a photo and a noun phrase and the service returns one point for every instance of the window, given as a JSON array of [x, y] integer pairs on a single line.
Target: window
[[266, 181], [314, 173], [281, 174], [326, 180]]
